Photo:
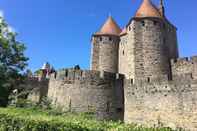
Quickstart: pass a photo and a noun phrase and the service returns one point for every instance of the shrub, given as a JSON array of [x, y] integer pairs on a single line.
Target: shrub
[[13, 119]]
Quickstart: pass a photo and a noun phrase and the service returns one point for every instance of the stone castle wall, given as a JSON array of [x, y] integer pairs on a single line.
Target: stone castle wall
[[39, 89], [161, 102], [182, 66], [86, 91]]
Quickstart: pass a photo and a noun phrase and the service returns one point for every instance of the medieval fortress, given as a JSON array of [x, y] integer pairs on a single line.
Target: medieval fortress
[[136, 75]]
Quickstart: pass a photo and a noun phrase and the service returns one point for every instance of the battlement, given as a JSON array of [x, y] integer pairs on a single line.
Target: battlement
[[145, 80], [73, 74], [184, 67], [182, 78], [183, 60]]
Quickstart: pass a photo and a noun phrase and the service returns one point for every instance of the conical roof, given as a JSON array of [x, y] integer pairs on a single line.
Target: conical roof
[[148, 9], [109, 28]]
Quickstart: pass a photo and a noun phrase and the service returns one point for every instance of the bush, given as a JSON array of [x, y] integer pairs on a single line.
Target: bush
[[13, 119]]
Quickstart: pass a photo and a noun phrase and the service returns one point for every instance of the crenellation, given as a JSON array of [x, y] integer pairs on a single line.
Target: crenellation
[[184, 68], [72, 75], [183, 60], [194, 59]]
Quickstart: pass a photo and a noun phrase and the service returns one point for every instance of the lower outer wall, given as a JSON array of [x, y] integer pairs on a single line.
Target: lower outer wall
[[103, 97], [39, 89], [168, 104]]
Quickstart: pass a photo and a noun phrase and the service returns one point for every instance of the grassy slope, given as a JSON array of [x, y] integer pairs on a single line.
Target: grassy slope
[[38, 120]]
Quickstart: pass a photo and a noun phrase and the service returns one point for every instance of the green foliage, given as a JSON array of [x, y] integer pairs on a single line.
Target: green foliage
[[38, 72], [13, 119], [19, 100], [12, 61], [45, 104]]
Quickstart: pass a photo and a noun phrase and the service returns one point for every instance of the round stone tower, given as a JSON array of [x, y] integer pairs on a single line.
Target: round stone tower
[[150, 45], [105, 45]]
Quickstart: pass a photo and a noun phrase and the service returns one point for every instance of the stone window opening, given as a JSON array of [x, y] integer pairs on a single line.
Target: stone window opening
[[123, 52], [129, 28], [66, 73], [192, 76], [100, 39], [110, 39], [119, 110], [131, 81], [108, 106], [148, 79], [155, 22], [164, 40], [143, 23]]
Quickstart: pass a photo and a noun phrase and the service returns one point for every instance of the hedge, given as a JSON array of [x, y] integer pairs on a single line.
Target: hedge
[[15, 119]]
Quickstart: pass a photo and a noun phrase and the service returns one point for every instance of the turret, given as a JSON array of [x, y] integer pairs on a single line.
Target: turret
[[105, 45], [145, 50], [45, 71]]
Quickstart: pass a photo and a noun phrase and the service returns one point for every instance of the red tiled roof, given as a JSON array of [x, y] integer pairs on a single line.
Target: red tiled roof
[[109, 28], [148, 9]]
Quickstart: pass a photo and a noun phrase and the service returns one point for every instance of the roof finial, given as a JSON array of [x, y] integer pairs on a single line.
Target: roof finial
[[161, 8]]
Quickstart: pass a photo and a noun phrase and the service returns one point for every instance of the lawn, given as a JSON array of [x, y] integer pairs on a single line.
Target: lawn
[[19, 119]]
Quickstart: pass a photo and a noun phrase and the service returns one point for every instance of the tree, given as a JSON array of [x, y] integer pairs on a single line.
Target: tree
[[12, 61]]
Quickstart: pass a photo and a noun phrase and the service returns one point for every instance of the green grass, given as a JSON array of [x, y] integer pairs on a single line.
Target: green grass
[[18, 119]]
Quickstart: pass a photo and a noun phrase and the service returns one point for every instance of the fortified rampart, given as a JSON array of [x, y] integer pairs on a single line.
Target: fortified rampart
[[162, 102], [39, 89], [87, 91], [182, 66]]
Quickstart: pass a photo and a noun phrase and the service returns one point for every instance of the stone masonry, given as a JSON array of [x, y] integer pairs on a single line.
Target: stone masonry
[[88, 91]]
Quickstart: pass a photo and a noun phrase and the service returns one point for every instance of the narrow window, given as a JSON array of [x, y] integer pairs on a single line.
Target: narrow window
[[148, 79], [110, 39], [131, 81], [100, 39], [66, 73], [164, 40], [123, 52], [192, 76], [129, 28], [155, 22], [108, 107], [119, 110], [143, 23]]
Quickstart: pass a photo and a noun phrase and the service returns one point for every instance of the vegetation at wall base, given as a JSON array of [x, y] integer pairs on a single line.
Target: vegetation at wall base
[[19, 119]]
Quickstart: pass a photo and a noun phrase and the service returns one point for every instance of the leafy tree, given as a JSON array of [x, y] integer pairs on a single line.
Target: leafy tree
[[38, 72], [12, 61]]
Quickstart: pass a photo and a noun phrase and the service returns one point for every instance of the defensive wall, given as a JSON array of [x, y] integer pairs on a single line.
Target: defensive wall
[[182, 66], [88, 91], [162, 102], [39, 88]]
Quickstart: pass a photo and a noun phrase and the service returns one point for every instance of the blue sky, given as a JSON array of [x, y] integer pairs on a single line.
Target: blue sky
[[59, 31]]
